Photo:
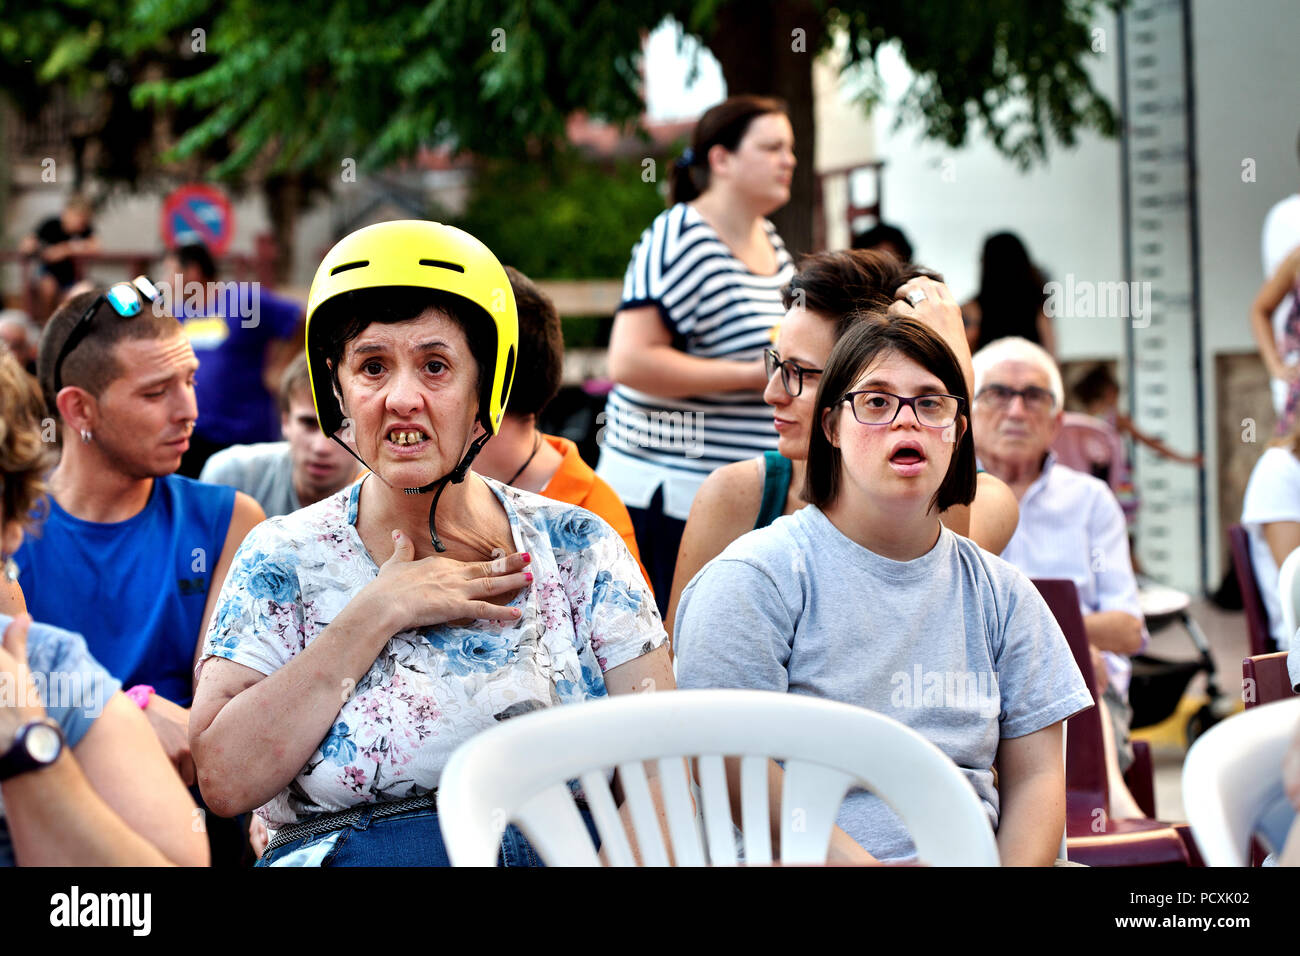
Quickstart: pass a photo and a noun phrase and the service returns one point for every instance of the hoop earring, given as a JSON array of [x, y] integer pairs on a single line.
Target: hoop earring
[[86, 436]]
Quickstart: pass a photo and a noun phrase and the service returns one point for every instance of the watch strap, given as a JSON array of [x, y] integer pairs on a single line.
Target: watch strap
[[19, 759]]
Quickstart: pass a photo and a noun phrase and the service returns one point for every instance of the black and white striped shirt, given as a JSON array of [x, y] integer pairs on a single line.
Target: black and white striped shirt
[[715, 307]]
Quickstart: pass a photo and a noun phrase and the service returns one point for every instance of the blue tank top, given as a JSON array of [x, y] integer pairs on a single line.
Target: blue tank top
[[134, 589]]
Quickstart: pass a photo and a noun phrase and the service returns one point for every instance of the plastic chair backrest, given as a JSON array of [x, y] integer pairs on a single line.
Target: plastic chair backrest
[[1265, 680], [1232, 781], [1288, 591], [1261, 642], [1086, 786], [518, 772]]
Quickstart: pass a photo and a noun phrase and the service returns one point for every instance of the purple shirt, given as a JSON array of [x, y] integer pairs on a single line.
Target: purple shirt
[[230, 340]]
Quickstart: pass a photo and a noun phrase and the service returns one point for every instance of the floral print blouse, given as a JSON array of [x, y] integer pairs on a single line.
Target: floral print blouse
[[588, 610]]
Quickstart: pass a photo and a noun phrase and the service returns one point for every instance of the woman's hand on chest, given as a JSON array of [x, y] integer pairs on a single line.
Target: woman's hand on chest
[[440, 590]]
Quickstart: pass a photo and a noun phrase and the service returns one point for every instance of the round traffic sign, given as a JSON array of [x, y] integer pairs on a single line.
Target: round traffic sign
[[198, 213]]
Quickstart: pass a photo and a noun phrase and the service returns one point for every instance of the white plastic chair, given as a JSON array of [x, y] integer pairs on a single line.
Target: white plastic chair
[[518, 772], [1232, 783], [1288, 591]]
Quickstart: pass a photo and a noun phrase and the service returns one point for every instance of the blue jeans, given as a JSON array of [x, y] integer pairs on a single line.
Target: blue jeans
[[409, 839]]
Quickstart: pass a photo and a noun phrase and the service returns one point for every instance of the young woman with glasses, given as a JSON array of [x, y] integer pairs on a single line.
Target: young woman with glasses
[[824, 300], [864, 597]]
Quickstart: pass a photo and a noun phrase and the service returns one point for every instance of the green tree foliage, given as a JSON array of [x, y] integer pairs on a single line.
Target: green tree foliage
[[291, 89], [576, 221]]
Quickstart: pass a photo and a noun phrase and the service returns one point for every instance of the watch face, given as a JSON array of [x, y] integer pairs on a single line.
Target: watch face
[[43, 743]]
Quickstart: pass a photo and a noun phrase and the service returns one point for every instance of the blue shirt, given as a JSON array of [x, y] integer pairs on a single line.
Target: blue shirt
[[136, 589], [73, 686], [230, 340], [1072, 527]]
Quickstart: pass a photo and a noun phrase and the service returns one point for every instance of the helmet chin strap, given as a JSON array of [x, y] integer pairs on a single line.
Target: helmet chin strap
[[455, 477]]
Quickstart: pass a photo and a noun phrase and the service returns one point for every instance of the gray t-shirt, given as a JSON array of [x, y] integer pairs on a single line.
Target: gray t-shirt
[[956, 644], [73, 686], [264, 472]]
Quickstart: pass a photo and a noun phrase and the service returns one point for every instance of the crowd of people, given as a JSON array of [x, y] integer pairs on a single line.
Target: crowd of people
[[807, 484]]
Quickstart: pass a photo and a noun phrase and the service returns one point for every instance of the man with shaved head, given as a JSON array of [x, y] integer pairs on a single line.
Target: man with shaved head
[[130, 555]]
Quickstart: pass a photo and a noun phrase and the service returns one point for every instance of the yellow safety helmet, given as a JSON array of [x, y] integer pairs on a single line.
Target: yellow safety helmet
[[415, 253]]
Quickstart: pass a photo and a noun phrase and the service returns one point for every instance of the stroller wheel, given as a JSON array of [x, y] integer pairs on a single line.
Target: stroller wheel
[[1200, 722]]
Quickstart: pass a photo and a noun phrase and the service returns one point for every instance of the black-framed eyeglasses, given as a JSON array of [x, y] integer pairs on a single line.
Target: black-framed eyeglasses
[[881, 408], [999, 397], [126, 299], [791, 374]]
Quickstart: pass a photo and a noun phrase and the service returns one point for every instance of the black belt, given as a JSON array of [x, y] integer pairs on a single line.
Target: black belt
[[329, 822]]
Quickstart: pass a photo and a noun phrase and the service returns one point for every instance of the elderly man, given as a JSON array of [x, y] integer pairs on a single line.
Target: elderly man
[[1071, 526]]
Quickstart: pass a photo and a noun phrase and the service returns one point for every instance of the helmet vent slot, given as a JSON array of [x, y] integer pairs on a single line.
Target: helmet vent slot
[[349, 265], [441, 264]]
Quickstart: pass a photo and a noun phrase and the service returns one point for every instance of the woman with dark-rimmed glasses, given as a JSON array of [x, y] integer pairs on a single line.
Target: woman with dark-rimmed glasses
[[864, 597], [827, 296]]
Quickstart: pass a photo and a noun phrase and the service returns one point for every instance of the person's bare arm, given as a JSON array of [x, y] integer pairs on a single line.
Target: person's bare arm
[[1031, 791], [994, 514], [641, 356], [110, 801], [1125, 426], [1115, 631], [12, 601], [84, 247], [1269, 297], [843, 848], [724, 508], [1283, 537], [143, 791], [251, 734]]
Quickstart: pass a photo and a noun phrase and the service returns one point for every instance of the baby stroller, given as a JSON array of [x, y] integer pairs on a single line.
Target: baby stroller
[[1158, 685]]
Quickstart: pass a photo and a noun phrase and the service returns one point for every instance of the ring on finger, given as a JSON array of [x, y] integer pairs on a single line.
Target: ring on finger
[[916, 296]]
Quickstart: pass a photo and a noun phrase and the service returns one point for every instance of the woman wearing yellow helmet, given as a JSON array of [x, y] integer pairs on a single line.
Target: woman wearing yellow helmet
[[359, 641]]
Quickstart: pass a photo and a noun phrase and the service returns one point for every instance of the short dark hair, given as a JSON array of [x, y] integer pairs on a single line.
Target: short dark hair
[[540, 367], [881, 233], [92, 364], [723, 125], [295, 380], [842, 285], [1095, 384], [196, 254], [869, 338], [347, 315]]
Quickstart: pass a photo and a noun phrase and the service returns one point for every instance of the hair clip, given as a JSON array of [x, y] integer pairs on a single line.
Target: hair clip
[[687, 158]]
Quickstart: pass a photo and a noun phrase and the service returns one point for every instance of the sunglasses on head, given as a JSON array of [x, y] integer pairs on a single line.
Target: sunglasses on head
[[125, 298]]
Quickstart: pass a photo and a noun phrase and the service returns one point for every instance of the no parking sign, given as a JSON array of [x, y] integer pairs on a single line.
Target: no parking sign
[[198, 213]]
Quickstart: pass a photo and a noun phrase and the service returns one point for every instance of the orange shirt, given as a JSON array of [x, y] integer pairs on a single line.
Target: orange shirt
[[576, 483]]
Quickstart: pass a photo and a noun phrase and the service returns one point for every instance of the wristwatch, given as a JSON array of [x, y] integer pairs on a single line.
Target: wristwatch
[[36, 745]]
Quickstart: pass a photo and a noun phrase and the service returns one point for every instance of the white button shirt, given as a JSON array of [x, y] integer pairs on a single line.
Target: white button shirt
[[1072, 527]]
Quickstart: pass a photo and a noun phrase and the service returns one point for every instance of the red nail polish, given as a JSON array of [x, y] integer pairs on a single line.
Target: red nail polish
[[528, 576], [527, 557]]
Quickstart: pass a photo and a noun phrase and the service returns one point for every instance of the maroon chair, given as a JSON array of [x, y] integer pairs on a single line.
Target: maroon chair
[[1264, 679], [1261, 641], [1092, 836]]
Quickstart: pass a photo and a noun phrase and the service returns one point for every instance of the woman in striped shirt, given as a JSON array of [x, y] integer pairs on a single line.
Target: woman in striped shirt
[[700, 298]]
